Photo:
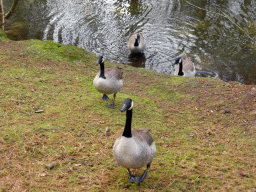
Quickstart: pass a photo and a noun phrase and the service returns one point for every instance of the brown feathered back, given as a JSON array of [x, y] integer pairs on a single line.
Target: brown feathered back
[[188, 64], [143, 136], [112, 73]]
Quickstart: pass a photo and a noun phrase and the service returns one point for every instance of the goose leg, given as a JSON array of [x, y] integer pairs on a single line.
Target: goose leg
[[104, 97], [132, 177], [112, 106], [143, 177]]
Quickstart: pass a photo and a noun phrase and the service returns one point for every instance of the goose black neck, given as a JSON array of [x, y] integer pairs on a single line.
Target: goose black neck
[[128, 129], [180, 73], [137, 41], [102, 71]]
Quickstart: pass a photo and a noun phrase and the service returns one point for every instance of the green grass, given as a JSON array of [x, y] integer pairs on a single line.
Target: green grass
[[204, 129], [3, 36]]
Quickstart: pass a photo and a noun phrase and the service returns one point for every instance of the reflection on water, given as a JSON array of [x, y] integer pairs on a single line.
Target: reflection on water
[[137, 59], [170, 28]]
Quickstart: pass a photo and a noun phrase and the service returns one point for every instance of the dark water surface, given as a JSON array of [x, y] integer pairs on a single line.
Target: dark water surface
[[171, 28]]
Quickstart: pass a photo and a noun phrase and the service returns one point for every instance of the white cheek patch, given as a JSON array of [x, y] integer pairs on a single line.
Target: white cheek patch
[[131, 106]]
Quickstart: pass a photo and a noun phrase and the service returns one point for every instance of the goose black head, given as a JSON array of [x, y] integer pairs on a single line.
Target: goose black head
[[128, 105], [137, 41], [178, 61], [100, 60]]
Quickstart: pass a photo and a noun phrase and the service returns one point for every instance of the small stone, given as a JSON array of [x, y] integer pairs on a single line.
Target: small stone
[[192, 135], [51, 165], [78, 164], [107, 129], [39, 111], [42, 174]]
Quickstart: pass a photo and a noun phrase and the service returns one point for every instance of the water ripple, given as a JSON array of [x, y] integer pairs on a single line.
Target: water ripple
[[171, 29]]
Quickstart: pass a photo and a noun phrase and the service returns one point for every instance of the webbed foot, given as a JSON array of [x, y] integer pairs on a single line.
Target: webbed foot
[[143, 177], [133, 178]]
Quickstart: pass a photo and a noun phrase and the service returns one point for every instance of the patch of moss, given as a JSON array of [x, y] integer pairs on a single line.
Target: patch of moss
[[3, 35], [56, 51]]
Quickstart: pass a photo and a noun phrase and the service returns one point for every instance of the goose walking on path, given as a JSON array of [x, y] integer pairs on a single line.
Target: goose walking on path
[[184, 67], [108, 81], [136, 43], [134, 148]]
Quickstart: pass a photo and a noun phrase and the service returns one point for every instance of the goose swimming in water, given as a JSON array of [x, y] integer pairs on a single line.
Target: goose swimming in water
[[108, 81], [134, 148], [136, 43], [184, 67]]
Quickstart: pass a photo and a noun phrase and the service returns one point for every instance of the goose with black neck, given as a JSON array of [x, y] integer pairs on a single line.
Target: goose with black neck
[[134, 149], [108, 81], [184, 67], [136, 43]]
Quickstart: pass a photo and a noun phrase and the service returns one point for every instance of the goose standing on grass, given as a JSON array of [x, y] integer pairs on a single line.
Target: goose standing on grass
[[136, 43], [134, 149], [184, 68], [108, 81]]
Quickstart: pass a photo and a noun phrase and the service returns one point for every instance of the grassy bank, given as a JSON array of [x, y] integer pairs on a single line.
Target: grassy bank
[[52, 128]]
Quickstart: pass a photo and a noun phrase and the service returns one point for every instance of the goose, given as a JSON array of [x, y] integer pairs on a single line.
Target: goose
[[134, 148], [184, 67], [136, 43], [108, 81]]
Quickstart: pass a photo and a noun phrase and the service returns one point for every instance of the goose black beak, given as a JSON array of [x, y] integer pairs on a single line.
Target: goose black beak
[[127, 105], [99, 60]]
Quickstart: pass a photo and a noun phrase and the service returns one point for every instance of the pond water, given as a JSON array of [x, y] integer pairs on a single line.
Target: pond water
[[171, 28]]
